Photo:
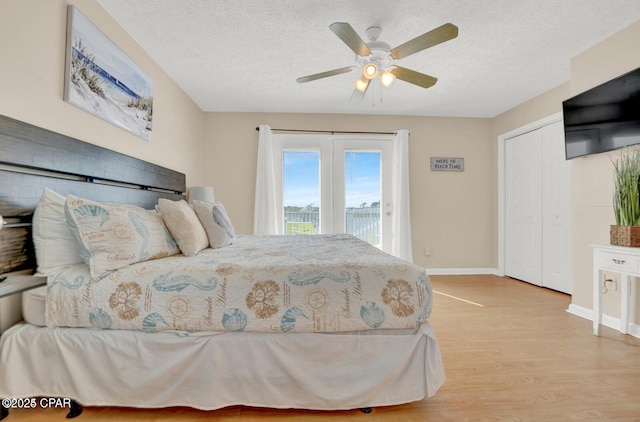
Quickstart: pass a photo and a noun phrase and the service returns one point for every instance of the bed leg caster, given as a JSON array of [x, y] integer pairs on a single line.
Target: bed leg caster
[[75, 410], [366, 409], [4, 412]]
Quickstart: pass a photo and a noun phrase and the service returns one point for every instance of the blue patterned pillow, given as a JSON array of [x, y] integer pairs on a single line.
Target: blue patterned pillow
[[112, 236], [222, 219]]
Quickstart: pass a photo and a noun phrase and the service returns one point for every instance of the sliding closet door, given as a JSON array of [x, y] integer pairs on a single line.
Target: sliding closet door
[[538, 208], [523, 175], [556, 217]]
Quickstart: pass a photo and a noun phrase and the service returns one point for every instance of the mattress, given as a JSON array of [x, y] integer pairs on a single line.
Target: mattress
[[34, 306], [320, 283]]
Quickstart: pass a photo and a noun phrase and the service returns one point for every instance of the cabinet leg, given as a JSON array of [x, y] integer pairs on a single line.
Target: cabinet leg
[[597, 301], [626, 303]]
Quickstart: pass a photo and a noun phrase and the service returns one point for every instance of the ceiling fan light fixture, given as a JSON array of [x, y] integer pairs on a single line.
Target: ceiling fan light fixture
[[370, 71], [375, 58], [387, 78], [362, 83]]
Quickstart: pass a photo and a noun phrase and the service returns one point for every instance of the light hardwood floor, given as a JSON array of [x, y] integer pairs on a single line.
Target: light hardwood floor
[[518, 357]]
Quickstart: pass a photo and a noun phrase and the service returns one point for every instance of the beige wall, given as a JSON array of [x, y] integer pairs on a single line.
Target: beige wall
[[592, 176], [530, 111], [32, 53], [33, 34], [451, 213]]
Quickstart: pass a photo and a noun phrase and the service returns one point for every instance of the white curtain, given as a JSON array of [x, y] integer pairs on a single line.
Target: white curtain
[[265, 214], [401, 215]]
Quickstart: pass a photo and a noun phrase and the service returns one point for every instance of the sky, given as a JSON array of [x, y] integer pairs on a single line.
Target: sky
[[301, 179]]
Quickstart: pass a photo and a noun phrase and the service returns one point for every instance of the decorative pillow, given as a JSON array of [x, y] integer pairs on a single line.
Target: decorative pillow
[[184, 226], [112, 236], [54, 243], [223, 220], [218, 235]]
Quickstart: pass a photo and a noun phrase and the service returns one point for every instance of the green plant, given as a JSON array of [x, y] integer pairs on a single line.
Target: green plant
[[626, 206]]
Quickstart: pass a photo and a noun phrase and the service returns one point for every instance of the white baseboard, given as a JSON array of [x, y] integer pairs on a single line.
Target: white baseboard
[[461, 271], [607, 320]]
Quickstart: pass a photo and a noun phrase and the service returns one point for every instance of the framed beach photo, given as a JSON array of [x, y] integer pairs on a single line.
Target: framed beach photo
[[102, 80]]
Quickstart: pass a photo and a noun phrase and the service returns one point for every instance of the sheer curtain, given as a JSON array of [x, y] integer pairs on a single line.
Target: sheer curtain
[[401, 215], [265, 214]]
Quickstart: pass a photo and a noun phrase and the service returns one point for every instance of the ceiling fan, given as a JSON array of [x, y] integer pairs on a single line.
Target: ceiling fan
[[378, 58]]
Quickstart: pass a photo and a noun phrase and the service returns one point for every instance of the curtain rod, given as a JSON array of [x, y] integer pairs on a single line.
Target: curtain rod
[[333, 132]]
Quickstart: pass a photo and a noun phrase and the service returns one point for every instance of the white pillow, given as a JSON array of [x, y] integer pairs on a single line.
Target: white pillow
[[184, 226], [218, 235], [112, 236], [54, 243]]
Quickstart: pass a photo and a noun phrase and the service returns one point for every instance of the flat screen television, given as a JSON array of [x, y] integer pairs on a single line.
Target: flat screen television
[[603, 118]]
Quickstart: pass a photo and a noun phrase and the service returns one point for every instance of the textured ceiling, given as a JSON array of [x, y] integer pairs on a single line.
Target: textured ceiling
[[245, 55]]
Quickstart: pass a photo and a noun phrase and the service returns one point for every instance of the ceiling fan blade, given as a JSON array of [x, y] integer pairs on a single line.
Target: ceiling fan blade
[[358, 95], [436, 36], [413, 77], [348, 35], [325, 74]]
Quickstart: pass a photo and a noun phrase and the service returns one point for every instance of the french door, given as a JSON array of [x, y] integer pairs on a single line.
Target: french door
[[330, 184]]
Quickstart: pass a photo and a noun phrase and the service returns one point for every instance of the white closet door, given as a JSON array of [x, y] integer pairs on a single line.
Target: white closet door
[[523, 175], [556, 197]]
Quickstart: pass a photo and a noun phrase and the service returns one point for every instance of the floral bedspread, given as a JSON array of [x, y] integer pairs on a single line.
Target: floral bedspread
[[322, 283]]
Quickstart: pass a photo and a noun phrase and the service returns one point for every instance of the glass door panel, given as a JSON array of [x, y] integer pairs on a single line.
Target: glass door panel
[[301, 192], [362, 195], [335, 185]]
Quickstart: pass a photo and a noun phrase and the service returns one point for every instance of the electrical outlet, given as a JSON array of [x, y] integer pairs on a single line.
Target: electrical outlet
[[428, 251], [611, 285]]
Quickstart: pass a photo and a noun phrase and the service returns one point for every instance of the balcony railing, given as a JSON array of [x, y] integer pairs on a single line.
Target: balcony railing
[[363, 223]]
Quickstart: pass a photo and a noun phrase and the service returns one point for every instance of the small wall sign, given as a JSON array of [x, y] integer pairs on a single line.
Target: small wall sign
[[447, 164]]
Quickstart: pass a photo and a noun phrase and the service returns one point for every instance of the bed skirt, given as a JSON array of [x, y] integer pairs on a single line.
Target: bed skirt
[[276, 370]]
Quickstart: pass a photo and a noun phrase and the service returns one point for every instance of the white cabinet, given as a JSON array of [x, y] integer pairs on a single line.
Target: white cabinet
[[538, 208], [618, 259]]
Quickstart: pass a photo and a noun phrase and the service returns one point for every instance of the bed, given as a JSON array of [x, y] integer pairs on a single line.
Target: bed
[[269, 321]]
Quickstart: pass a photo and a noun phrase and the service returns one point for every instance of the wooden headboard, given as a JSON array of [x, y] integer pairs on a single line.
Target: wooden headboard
[[32, 158]]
